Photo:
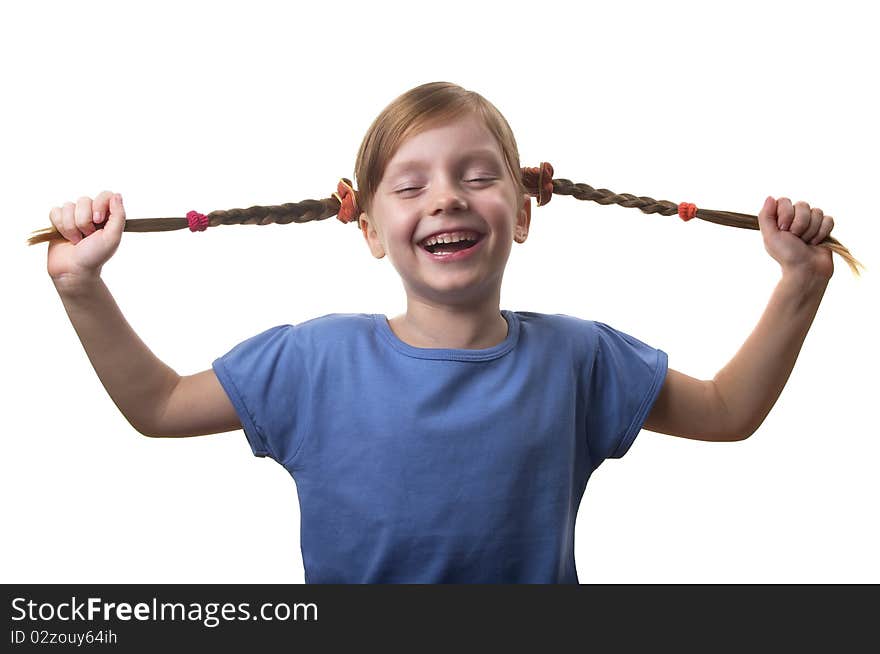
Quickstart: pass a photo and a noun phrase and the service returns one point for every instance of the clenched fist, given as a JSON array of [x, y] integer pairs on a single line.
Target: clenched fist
[[92, 229]]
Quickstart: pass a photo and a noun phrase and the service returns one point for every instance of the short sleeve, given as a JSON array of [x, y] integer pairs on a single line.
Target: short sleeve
[[263, 376], [623, 382]]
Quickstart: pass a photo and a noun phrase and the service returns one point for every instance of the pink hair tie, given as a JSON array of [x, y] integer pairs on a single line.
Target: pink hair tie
[[198, 222], [686, 211]]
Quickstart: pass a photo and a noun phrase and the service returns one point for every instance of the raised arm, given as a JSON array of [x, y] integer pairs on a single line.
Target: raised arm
[[154, 399], [136, 380], [752, 381], [734, 404], [197, 405]]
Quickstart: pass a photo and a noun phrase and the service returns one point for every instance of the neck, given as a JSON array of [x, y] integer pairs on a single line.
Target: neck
[[454, 327]]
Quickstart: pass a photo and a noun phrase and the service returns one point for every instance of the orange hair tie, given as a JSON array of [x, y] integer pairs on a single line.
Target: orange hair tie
[[539, 182], [348, 208], [686, 211]]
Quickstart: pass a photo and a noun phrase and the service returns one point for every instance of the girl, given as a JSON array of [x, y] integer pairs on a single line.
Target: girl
[[452, 443]]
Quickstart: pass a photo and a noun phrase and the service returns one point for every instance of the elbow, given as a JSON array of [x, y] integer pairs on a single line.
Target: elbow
[[739, 431], [744, 434], [734, 426], [752, 426], [151, 433], [143, 430]]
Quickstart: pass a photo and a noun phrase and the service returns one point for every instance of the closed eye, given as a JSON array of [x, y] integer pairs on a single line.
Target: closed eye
[[479, 179]]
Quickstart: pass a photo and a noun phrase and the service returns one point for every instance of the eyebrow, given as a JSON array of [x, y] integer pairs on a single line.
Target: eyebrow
[[401, 166]]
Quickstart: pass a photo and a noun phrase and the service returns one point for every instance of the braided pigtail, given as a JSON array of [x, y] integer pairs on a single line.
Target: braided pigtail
[[539, 182], [343, 204]]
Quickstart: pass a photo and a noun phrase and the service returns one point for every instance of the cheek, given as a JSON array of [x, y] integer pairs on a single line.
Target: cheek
[[399, 239], [503, 204]]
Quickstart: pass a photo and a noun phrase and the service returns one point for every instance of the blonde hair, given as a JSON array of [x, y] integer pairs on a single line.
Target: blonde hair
[[417, 109]]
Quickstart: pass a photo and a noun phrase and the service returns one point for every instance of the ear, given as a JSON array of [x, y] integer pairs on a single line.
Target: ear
[[523, 219], [374, 242]]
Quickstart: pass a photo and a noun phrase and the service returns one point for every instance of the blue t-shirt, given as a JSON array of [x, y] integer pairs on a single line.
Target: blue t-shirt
[[424, 465]]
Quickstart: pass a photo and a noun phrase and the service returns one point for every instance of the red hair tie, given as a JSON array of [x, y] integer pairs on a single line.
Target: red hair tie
[[348, 208], [198, 222], [539, 182], [686, 211]]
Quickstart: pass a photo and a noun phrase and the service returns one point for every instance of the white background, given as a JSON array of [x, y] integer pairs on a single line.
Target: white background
[[207, 106]]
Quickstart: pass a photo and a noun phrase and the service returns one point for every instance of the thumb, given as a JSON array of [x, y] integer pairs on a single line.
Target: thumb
[[767, 216]]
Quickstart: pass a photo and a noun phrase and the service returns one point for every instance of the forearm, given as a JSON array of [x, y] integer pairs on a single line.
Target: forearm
[[136, 380], [752, 381]]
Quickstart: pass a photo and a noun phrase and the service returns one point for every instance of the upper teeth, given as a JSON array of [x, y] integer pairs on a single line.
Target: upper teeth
[[451, 237]]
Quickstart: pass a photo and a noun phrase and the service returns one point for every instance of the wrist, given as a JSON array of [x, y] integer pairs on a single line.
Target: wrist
[[70, 284], [804, 285], [804, 277], [804, 274]]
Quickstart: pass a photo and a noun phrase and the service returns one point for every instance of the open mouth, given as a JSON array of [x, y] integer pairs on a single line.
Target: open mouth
[[447, 249]]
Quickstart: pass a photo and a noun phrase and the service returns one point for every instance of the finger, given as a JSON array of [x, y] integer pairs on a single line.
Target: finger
[[815, 223], [100, 206], [784, 214], [824, 230], [55, 218], [767, 216], [83, 215], [68, 223], [801, 218], [116, 222]]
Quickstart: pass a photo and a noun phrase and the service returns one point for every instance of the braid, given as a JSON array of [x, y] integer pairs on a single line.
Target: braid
[[280, 214], [537, 181], [684, 210]]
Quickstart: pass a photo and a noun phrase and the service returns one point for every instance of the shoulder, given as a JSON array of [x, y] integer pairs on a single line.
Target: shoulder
[[595, 332], [333, 325], [329, 327], [558, 326], [556, 322], [598, 341], [551, 335], [608, 337]]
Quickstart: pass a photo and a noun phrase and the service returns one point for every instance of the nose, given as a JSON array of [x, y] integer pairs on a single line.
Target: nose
[[446, 197]]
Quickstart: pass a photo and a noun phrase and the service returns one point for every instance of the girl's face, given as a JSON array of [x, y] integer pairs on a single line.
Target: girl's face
[[448, 178]]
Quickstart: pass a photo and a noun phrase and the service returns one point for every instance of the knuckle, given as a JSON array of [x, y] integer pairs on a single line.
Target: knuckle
[[69, 232], [55, 217], [82, 214], [68, 227]]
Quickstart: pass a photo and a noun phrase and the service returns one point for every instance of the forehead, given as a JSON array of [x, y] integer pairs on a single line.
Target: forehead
[[462, 138]]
